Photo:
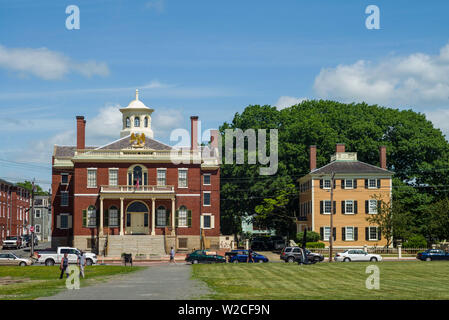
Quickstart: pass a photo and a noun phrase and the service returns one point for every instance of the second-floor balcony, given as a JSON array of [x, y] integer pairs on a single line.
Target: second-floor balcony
[[137, 189]]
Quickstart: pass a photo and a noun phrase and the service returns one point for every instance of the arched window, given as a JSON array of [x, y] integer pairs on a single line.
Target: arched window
[[128, 122], [161, 217], [113, 216], [137, 172], [145, 122], [136, 122]]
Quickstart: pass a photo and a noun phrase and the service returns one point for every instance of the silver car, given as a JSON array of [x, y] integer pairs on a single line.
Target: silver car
[[10, 259], [357, 255]]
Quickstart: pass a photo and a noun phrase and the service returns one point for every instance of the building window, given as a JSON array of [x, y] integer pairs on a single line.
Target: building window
[[327, 207], [349, 206], [145, 122], [113, 177], [37, 228], [372, 206], [161, 177], [349, 184], [326, 184], [182, 178], [92, 216], [206, 199], [206, 221], [64, 221], [37, 213], [136, 122], [372, 183], [349, 236], [128, 122], [373, 233], [161, 217], [113, 217], [64, 198], [64, 178], [91, 178], [206, 179], [327, 233], [182, 217]]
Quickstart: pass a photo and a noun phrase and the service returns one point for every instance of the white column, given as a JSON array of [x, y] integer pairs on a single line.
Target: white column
[[153, 216], [399, 251], [173, 226], [101, 217], [121, 216]]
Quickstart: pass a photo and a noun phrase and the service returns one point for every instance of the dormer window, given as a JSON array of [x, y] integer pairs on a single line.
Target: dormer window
[[137, 122]]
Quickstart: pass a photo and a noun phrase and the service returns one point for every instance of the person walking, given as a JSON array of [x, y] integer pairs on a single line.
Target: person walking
[[81, 263], [172, 255], [64, 265], [250, 256]]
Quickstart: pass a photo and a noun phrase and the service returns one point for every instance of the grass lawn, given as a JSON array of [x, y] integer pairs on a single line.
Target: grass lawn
[[19, 283], [283, 281]]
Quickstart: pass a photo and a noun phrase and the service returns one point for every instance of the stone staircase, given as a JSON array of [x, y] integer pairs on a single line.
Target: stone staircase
[[136, 245]]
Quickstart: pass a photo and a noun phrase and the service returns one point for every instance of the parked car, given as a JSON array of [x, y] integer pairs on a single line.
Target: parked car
[[10, 259], [236, 256], [357, 255], [204, 256], [49, 258], [27, 239], [12, 242], [433, 254], [293, 254]]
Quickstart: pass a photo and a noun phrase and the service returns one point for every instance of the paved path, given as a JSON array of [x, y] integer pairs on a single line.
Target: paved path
[[157, 282]]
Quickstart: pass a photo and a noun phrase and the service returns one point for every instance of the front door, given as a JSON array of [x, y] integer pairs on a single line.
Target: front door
[[139, 223]]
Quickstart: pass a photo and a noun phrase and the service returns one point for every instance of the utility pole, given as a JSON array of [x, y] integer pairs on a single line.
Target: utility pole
[[32, 219], [331, 235]]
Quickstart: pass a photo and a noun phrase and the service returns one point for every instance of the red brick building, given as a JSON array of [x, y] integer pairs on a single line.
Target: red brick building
[[136, 195], [14, 210]]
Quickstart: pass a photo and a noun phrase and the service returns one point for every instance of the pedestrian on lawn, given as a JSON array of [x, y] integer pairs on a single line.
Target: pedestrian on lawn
[[81, 263], [64, 265]]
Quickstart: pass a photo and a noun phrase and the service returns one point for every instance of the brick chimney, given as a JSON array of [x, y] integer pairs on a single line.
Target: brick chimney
[[80, 132], [312, 158], [194, 133], [340, 147], [383, 157]]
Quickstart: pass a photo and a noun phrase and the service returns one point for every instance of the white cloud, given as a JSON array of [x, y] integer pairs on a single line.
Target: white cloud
[[440, 119], [415, 80], [165, 120], [286, 101], [47, 64], [104, 127]]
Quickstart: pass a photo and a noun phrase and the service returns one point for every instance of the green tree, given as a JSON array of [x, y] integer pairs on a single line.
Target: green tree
[[28, 185]]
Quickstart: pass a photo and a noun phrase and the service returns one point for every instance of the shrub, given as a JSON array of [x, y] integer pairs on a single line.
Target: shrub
[[415, 241], [311, 236], [314, 245]]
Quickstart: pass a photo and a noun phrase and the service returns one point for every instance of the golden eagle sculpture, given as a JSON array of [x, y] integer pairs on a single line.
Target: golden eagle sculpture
[[138, 140]]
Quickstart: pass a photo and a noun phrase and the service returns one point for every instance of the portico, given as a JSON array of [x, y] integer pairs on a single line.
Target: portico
[[138, 209]]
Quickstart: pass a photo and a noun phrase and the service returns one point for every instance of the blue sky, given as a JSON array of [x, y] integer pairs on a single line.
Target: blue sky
[[205, 58]]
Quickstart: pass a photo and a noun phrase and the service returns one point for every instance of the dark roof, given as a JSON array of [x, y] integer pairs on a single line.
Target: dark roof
[[123, 143], [350, 167]]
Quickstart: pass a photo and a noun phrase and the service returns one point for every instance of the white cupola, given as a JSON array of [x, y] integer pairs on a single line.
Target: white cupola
[[136, 118]]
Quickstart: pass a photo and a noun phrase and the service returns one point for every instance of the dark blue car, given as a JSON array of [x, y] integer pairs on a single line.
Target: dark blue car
[[433, 254], [237, 256]]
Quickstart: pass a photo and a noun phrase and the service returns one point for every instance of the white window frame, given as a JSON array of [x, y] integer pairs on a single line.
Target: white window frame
[[64, 215], [35, 213], [113, 170], [186, 170], [346, 206], [324, 183], [158, 213], [370, 211], [37, 228], [352, 184], [204, 183], [184, 225], [210, 199], [369, 184], [66, 193], [324, 233], [212, 221], [111, 209], [324, 206], [66, 175], [90, 218], [96, 177], [165, 177], [369, 234], [353, 233]]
